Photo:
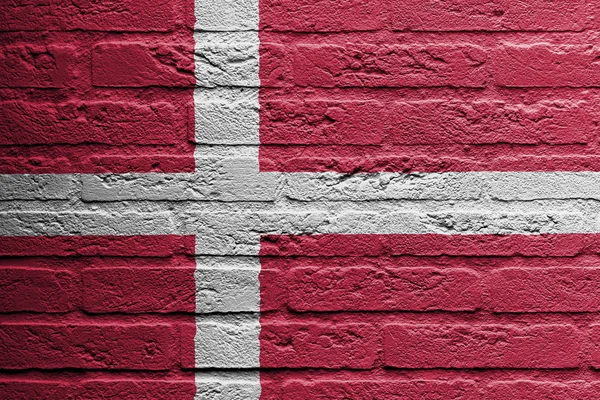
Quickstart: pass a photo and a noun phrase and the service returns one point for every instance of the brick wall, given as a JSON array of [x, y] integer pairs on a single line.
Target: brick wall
[[299, 199]]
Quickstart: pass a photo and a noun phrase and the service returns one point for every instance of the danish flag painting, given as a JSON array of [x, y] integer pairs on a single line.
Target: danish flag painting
[[299, 199]]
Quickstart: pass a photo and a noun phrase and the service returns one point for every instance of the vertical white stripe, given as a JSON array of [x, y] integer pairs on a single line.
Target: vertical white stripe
[[226, 114]]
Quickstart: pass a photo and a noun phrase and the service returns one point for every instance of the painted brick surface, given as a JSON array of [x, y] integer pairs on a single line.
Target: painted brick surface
[[314, 199]]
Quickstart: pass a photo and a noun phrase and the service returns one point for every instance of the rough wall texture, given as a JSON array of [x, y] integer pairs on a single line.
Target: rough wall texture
[[315, 199]]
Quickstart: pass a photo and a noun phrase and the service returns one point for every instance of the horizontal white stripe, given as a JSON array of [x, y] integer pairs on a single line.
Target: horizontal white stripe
[[238, 232], [226, 178]]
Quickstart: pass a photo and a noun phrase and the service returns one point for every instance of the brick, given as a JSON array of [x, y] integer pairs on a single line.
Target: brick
[[552, 185], [495, 15], [545, 65], [88, 15], [138, 290], [50, 223], [69, 246], [223, 345], [227, 290], [488, 122], [431, 244], [594, 338], [490, 245], [544, 290], [37, 187], [92, 159], [138, 389], [375, 389], [24, 389], [322, 122], [129, 64], [39, 290], [221, 64], [38, 66], [229, 179], [354, 65], [113, 123], [371, 289], [542, 390], [348, 160], [217, 15], [484, 346], [321, 16], [223, 389], [385, 186], [309, 345], [423, 123], [227, 123], [140, 347]]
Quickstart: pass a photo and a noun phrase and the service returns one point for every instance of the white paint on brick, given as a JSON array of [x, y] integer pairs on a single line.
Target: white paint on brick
[[226, 111], [227, 64], [38, 187], [226, 288], [226, 15], [227, 345], [226, 122], [217, 180], [233, 176], [48, 223], [227, 390]]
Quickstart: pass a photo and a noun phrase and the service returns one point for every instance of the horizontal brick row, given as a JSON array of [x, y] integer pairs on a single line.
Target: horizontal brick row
[[424, 346], [147, 288], [85, 122], [88, 15], [427, 159], [429, 15], [435, 122], [433, 65], [415, 389], [350, 288], [236, 184], [432, 245], [171, 389], [132, 64], [97, 274], [155, 346], [418, 389]]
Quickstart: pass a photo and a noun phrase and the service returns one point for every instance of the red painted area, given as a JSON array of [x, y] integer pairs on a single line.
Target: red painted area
[[379, 315], [428, 86], [88, 87], [77, 307]]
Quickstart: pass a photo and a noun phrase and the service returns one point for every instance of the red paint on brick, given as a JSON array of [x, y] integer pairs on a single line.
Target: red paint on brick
[[544, 65], [363, 390], [34, 65], [95, 282], [485, 346], [88, 15], [137, 290], [77, 101], [428, 15], [427, 86], [393, 289], [424, 123], [337, 346], [36, 289], [70, 246], [425, 306], [124, 64], [97, 122], [542, 390]]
